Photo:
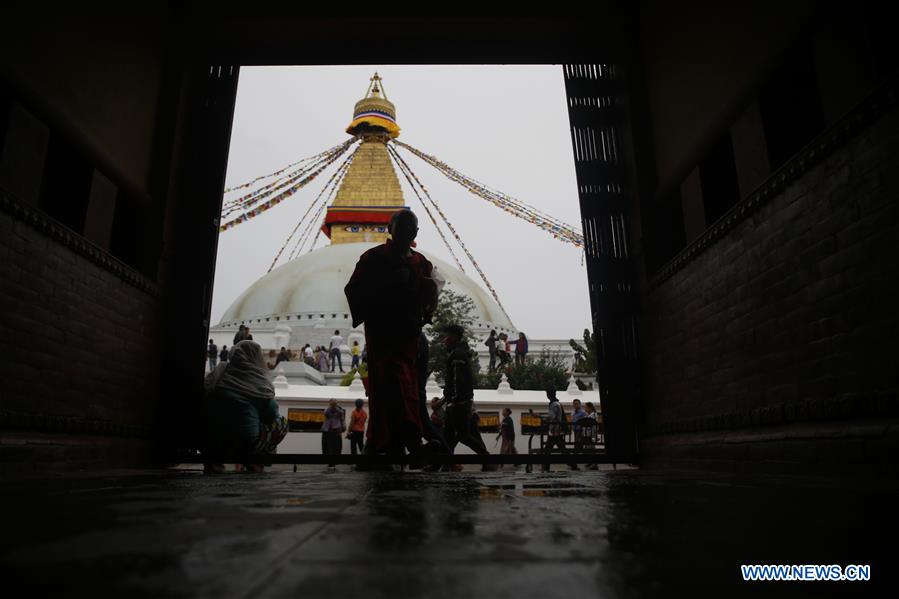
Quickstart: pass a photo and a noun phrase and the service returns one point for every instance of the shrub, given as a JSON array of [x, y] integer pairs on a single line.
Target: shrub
[[535, 374], [351, 374]]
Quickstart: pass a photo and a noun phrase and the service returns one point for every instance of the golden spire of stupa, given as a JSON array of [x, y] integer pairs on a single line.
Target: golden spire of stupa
[[370, 192], [374, 111]]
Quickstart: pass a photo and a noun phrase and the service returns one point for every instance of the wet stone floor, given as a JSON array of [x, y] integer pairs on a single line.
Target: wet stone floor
[[628, 533]]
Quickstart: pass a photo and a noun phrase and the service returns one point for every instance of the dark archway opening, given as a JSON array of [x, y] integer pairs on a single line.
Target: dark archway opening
[[598, 94]]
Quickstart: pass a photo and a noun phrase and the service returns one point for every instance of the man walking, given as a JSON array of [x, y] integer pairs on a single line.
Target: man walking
[[458, 391], [556, 425], [576, 414], [392, 291]]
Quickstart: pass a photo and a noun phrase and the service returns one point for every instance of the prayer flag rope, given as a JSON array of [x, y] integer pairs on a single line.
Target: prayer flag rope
[[286, 168], [317, 218], [278, 198], [339, 170], [405, 167], [260, 194], [397, 160], [553, 226], [247, 200], [318, 232]]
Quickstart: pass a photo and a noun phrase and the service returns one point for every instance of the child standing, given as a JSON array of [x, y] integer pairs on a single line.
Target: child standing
[[356, 433], [355, 351]]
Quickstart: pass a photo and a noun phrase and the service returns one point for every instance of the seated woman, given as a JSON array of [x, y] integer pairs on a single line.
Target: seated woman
[[241, 413]]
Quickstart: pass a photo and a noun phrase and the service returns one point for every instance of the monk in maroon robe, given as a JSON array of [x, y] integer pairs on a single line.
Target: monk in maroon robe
[[392, 291]]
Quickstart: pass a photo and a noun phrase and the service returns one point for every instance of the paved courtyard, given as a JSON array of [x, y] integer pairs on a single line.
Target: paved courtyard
[[628, 533]]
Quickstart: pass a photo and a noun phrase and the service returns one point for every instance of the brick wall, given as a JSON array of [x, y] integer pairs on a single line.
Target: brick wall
[[79, 333], [794, 314]]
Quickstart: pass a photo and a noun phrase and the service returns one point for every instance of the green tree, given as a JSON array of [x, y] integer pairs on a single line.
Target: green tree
[[452, 308], [585, 355]]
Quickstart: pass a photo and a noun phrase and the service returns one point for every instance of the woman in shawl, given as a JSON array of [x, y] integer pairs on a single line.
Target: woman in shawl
[[324, 364], [241, 413]]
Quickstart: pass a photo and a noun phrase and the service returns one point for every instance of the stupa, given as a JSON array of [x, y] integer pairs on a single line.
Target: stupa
[[303, 301]]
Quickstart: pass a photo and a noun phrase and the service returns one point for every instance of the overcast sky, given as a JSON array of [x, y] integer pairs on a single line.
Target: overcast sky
[[505, 126]]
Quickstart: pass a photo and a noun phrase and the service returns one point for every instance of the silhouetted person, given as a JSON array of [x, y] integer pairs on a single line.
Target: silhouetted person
[[556, 425], [438, 415], [223, 355], [592, 419], [507, 433], [212, 352], [332, 429], [458, 391], [392, 291], [429, 431], [577, 412]]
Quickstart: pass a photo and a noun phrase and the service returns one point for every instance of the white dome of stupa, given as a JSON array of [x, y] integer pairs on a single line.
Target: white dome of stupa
[[309, 290]]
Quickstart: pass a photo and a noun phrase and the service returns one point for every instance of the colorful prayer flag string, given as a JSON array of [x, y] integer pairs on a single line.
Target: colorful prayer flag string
[[280, 197], [317, 218], [255, 196], [397, 159], [338, 172], [405, 168], [286, 168], [557, 228]]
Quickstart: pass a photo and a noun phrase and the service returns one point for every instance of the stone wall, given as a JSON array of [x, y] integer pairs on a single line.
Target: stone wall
[[791, 317], [79, 334]]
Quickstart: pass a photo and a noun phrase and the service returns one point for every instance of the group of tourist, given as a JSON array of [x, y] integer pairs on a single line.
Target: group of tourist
[[499, 346], [329, 359], [321, 358]]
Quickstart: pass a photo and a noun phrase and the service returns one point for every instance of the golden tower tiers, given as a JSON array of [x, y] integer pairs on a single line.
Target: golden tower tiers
[[370, 192]]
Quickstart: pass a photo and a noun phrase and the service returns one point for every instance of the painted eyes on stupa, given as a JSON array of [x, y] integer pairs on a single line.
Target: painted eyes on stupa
[[359, 229]]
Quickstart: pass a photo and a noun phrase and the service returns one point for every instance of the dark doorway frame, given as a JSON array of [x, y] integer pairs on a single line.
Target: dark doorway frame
[[598, 97]]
